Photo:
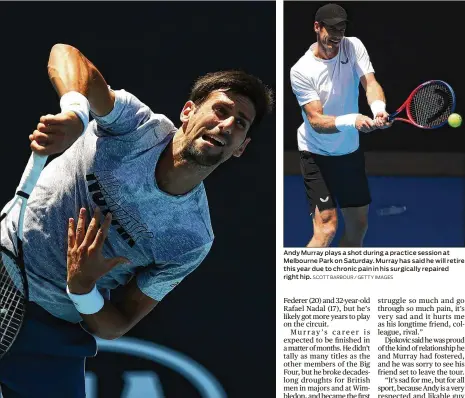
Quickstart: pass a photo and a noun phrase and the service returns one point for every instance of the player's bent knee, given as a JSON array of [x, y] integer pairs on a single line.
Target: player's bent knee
[[326, 222]]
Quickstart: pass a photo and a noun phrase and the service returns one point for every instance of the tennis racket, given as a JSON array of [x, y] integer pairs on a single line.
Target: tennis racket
[[428, 106], [14, 292]]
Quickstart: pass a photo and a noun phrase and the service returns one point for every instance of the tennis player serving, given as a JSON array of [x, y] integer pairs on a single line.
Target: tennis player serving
[[124, 205], [326, 83]]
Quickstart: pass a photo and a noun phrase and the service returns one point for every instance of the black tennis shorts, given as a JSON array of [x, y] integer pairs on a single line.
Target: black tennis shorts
[[332, 181]]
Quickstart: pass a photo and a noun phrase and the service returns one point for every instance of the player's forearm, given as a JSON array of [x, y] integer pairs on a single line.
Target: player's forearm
[[114, 319], [70, 70], [324, 124], [109, 323], [374, 93]]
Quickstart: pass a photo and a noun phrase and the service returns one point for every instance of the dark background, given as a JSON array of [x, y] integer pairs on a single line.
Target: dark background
[[408, 43], [222, 315]]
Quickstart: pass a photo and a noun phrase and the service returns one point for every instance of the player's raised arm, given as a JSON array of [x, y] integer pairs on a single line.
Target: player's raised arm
[[69, 70], [81, 88]]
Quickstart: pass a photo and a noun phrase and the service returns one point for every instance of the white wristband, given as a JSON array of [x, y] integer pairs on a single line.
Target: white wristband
[[76, 102], [89, 303], [346, 122], [378, 106]]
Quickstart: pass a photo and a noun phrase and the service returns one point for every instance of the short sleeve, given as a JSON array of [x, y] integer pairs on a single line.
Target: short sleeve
[[127, 115], [362, 60], [157, 281], [303, 88]]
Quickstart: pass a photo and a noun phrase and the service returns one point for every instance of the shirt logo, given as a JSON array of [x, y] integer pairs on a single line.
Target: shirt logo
[[103, 189], [347, 60]]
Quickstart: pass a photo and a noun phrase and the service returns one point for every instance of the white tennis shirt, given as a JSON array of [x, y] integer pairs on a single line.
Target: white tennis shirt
[[334, 82]]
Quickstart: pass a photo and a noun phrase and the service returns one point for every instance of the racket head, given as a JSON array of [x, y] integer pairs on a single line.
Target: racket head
[[429, 105], [14, 289]]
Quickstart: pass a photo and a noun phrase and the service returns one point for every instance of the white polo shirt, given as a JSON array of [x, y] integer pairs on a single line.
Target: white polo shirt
[[334, 82]]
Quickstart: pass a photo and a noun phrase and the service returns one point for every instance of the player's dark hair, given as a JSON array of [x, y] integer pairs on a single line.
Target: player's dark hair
[[240, 83]]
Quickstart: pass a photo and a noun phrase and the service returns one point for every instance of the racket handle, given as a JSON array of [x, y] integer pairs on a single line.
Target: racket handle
[[31, 174]]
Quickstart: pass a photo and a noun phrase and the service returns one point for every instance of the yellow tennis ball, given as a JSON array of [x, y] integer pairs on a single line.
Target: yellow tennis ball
[[455, 120]]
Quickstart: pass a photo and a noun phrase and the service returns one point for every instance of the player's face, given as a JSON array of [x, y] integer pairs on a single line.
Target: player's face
[[217, 129], [329, 37]]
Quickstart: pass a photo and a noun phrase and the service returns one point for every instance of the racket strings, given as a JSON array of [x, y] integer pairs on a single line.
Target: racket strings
[[431, 105], [12, 305]]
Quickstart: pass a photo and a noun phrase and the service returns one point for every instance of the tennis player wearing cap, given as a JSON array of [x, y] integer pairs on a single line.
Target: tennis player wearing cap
[[326, 83], [124, 205]]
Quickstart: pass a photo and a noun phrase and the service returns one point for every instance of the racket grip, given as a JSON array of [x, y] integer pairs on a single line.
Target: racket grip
[[31, 174]]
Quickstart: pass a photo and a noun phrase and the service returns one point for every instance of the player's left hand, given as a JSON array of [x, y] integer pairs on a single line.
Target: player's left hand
[[381, 120], [86, 263], [56, 133]]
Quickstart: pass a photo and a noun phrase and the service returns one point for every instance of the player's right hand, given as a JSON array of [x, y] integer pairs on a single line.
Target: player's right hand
[[56, 133], [382, 120], [365, 124]]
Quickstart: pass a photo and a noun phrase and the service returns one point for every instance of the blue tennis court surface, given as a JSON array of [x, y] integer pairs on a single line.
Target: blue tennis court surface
[[435, 215]]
